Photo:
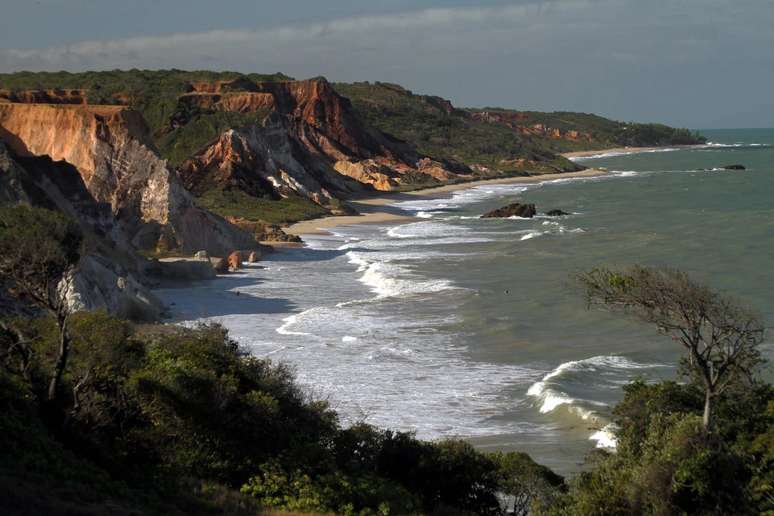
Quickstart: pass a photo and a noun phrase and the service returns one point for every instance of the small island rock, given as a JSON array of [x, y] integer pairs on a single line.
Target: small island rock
[[512, 210], [557, 213]]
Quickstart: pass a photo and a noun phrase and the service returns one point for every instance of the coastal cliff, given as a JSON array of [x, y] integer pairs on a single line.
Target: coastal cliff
[[111, 275], [111, 148]]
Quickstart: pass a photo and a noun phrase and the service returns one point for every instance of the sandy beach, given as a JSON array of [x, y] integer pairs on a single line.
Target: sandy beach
[[376, 208]]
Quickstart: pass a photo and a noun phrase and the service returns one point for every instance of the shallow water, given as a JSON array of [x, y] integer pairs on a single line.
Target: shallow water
[[459, 326]]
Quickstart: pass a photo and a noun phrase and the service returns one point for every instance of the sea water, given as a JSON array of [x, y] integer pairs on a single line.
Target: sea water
[[456, 326]]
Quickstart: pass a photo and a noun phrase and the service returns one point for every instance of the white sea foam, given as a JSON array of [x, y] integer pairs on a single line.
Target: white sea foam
[[550, 391], [427, 229], [738, 145], [390, 279], [288, 322], [605, 437], [531, 234]]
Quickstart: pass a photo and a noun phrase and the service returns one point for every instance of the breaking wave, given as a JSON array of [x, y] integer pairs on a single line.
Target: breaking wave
[[608, 371], [389, 279]]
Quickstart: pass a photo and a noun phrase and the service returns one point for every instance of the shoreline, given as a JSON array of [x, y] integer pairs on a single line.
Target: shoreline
[[375, 209], [625, 151], [370, 214]]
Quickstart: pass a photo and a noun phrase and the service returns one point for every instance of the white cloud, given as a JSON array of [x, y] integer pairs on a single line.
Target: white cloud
[[655, 60], [344, 34]]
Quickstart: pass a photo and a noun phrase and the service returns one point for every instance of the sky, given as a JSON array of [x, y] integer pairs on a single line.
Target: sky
[[690, 63]]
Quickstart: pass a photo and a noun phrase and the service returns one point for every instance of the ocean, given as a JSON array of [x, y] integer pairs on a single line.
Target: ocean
[[456, 326]]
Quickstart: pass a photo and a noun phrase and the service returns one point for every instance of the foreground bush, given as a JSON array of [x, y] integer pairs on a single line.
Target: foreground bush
[[168, 419]]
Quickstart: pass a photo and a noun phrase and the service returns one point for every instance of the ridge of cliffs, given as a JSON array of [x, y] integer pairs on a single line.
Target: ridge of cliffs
[[113, 151], [283, 150]]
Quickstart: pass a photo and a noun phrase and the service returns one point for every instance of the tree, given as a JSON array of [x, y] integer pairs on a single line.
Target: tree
[[720, 335], [38, 248], [529, 486]]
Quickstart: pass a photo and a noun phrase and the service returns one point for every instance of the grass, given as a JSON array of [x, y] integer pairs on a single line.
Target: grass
[[235, 203]]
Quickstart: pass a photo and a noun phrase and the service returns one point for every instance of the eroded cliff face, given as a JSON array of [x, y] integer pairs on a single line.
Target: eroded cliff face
[[111, 148], [259, 159], [313, 144], [110, 274]]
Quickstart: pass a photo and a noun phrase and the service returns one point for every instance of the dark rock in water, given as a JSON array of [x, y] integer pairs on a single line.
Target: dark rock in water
[[557, 213], [735, 167], [512, 210]]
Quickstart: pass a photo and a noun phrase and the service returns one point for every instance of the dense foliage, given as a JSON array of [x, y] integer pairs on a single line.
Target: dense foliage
[[603, 132], [446, 133]]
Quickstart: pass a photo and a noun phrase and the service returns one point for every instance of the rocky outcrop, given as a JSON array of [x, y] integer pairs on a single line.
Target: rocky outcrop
[[99, 284], [220, 265], [111, 148], [512, 210], [557, 213], [111, 275], [256, 159], [235, 261]]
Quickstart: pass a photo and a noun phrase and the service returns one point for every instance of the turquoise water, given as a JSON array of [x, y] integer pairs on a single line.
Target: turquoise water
[[459, 326]]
